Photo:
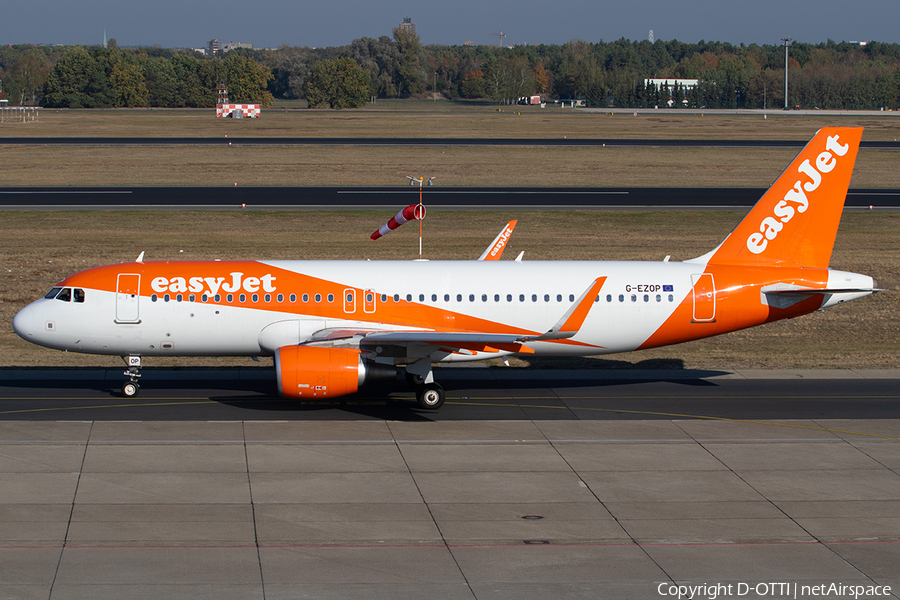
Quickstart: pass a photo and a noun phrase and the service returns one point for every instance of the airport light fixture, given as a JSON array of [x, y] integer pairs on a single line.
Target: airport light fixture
[[787, 42]]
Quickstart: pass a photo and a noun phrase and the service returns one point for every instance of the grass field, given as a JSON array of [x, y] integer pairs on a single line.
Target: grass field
[[440, 120], [38, 249], [450, 165]]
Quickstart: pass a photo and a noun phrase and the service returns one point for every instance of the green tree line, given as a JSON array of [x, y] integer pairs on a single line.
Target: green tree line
[[828, 75], [97, 77]]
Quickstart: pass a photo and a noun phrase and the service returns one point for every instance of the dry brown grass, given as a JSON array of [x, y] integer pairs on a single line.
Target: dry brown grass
[[451, 166], [38, 249], [445, 119], [41, 248]]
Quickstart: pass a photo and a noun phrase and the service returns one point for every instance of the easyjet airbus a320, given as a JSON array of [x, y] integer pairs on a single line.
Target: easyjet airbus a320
[[332, 326]]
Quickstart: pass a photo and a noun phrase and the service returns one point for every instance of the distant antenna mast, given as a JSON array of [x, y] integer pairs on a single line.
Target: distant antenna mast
[[500, 35], [650, 37]]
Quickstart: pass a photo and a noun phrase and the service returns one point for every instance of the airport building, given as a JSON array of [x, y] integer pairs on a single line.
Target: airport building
[[670, 86]]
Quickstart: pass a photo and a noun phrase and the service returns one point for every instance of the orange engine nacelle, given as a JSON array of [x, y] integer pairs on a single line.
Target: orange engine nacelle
[[316, 372]]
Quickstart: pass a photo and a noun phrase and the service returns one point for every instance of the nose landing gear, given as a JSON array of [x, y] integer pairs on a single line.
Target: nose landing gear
[[131, 387]]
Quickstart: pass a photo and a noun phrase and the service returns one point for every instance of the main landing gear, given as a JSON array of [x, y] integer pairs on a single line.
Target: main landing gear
[[131, 387], [429, 395]]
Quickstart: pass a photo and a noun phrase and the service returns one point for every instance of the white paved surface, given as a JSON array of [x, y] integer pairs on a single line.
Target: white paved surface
[[511, 509]]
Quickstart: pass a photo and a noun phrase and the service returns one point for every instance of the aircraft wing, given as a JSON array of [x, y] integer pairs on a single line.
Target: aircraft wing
[[454, 341]]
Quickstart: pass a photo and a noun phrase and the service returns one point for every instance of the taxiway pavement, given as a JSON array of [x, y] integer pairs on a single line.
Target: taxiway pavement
[[530, 495]]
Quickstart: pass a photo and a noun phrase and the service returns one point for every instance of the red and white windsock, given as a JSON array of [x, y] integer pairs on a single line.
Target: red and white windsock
[[407, 214]]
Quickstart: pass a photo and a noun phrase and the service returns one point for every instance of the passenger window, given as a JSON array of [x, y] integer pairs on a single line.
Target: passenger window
[[229, 298], [421, 297], [409, 297], [153, 297], [293, 297], [268, 297], [509, 297], [671, 298], [396, 297], [192, 298], [521, 297], [65, 295], [178, 298], [471, 297], [446, 297], [621, 297], [243, 297], [609, 297], [318, 297], [79, 295], [484, 297], [572, 298], [658, 298], [52, 293], [383, 298], [217, 297], [459, 297], [280, 298], [646, 297], [349, 299], [546, 297], [559, 297], [534, 297], [203, 298], [305, 297], [255, 298], [434, 297], [634, 297]]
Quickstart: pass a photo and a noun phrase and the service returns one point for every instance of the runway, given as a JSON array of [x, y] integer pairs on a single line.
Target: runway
[[401, 141], [389, 198], [553, 484]]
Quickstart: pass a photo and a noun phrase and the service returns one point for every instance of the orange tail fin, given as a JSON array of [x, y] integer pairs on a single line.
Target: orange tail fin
[[796, 220]]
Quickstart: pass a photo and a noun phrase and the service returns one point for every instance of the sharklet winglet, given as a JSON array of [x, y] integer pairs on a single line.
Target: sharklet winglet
[[571, 322]]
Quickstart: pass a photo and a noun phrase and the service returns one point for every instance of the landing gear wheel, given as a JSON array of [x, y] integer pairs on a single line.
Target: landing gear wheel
[[430, 396], [130, 389], [414, 380]]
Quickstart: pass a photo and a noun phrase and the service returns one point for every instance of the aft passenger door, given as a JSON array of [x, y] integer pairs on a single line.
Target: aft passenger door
[[128, 293], [704, 298]]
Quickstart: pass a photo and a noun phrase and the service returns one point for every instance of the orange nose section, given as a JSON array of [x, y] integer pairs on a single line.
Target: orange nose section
[[314, 372]]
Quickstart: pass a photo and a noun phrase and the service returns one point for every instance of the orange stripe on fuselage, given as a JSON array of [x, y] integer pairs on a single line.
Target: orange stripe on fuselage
[[738, 303], [250, 277]]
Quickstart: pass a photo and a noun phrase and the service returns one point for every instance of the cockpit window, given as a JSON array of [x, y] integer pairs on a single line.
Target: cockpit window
[[65, 295], [52, 293], [78, 295]]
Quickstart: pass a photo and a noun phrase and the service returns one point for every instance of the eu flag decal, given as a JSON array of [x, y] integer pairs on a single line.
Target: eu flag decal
[[668, 288]]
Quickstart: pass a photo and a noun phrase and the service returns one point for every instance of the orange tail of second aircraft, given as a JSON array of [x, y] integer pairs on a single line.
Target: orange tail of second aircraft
[[796, 220]]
